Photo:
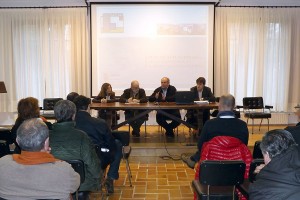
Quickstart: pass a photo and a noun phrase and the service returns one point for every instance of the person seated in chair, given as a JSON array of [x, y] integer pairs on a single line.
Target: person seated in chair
[[226, 124], [295, 130], [72, 95], [107, 95], [100, 134], [279, 177], [201, 92], [68, 143], [28, 108], [166, 93], [35, 173], [134, 94]]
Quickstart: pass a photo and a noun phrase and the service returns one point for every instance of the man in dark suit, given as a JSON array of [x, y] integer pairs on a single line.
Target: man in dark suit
[[134, 94], [166, 93], [97, 129], [201, 92]]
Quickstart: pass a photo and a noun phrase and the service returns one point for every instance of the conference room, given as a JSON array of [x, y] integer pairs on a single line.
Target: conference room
[[245, 48]]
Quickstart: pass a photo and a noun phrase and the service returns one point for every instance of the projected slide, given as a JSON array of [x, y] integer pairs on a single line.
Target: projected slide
[[146, 42]]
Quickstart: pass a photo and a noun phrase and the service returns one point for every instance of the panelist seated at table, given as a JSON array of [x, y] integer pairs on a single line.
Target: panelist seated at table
[[279, 177], [106, 95], [166, 93], [201, 92], [134, 94]]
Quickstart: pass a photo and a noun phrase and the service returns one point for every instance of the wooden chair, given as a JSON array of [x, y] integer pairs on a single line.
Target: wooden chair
[[218, 179]]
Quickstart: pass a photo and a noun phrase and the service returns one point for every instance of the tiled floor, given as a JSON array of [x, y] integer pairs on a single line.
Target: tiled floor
[[154, 177]]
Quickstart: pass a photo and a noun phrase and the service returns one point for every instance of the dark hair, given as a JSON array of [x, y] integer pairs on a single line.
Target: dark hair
[[201, 80], [82, 102], [28, 108], [32, 134], [103, 91], [64, 110], [276, 142], [71, 96]]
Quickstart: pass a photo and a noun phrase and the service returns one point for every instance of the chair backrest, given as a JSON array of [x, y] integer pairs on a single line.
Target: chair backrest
[[253, 165], [78, 166], [253, 103], [257, 151], [49, 103], [222, 172], [4, 148]]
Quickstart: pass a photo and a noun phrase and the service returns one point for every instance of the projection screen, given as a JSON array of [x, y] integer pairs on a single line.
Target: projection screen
[[146, 42]]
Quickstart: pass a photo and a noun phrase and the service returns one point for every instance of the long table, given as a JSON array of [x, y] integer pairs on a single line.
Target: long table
[[159, 107]]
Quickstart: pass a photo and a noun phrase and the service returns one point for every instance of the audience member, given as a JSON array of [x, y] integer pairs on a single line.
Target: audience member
[[35, 173], [224, 125], [134, 94], [69, 143], [279, 177], [295, 130], [166, 93], [201, 92], [98, 131], [106, 95], [28, 108], [72, 95]]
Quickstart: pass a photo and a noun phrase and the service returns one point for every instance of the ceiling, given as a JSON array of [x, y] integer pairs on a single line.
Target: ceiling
[[76, 3]]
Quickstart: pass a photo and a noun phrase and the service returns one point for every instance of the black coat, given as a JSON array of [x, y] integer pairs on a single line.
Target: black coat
[[128, 94], [170, 97], [279, 179], [96, 129], [206, 94], [295, 131]]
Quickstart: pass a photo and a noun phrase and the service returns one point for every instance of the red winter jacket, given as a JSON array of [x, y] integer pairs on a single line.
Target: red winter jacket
[[225, 148]]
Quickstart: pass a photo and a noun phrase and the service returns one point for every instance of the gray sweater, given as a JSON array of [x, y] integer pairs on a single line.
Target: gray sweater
[[43, 181]]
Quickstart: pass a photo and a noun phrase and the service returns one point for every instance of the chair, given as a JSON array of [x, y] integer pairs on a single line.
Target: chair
[[78, 166], [4, 148], [254, 109], [257, 151], [218, 179], [49, 103], [244, 187], [225, 148], [123, 137]]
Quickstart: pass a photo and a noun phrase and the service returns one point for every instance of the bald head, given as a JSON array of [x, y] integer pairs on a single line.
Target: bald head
[[135, 86], [165, 82]]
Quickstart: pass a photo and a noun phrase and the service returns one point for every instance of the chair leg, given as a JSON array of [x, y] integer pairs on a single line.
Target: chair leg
[[128, 171], [252, 124], [268, 124], [260, 123], [145, 129]]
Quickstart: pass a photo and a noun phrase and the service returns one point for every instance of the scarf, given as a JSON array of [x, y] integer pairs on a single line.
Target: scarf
[[33, 158]]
